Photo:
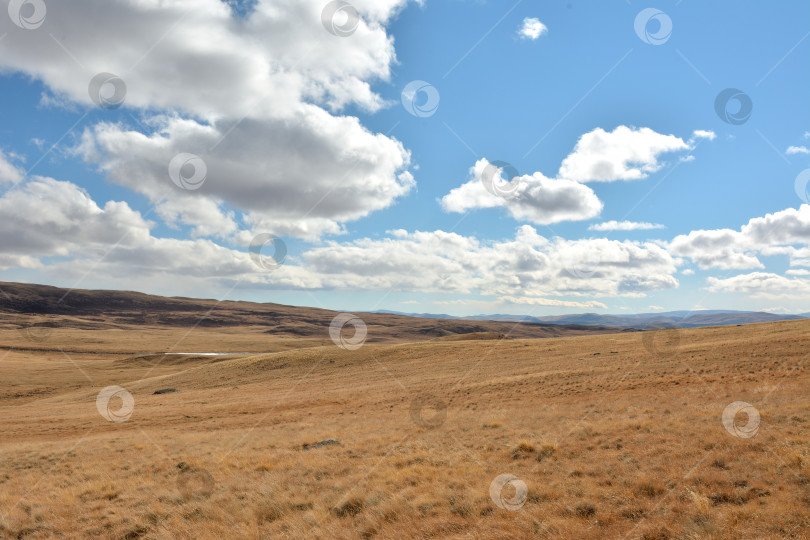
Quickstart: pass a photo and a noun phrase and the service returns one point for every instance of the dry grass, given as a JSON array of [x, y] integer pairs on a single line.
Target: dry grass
[[619, 444]]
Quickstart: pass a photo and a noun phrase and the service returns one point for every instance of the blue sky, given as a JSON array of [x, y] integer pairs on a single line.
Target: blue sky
[[279, 122]]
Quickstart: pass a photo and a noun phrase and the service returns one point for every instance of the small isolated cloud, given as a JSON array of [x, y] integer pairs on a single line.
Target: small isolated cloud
[[532, 28], [798, 272], [797, 150], [655, 308], [688, 272], [624, 226], [704, 134], [537, 199]]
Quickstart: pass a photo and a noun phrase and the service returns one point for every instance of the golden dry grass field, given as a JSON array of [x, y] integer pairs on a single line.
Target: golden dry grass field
[[604, 436]]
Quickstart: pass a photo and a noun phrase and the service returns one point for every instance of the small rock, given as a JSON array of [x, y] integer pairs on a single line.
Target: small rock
[[164, 391], [327, 442]]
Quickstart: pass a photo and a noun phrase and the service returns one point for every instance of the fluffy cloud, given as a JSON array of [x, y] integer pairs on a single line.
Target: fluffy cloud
[[113, 245], [625, 153], [723, 248], [703, 134], [536, 199], [532, 28], [772, 234], [760, 284], [791, 226], [797, 150], [256, 97], [9, 173], [166, 52], [50, 218], [530, 266], [262, 168], [624, 226]]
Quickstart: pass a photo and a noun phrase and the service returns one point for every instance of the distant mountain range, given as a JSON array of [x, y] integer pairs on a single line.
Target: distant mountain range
[[680, 319]]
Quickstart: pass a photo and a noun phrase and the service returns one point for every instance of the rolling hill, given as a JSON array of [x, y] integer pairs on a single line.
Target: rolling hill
[[40, 306]]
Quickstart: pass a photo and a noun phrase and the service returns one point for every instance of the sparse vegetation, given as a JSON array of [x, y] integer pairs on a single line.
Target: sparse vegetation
[[614, 446]]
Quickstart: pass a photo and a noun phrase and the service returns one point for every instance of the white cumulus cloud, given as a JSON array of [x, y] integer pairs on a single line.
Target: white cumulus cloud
[[537, 199], [532, 28], [760, 284], [258, 98], [625, 153], [9, 172], [786, 232], [704, 134]]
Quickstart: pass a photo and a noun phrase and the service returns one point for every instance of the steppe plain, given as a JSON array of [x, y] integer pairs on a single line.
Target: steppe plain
[[605, 435]]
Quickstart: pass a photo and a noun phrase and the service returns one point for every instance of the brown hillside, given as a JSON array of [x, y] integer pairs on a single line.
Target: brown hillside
[[613, 436]]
